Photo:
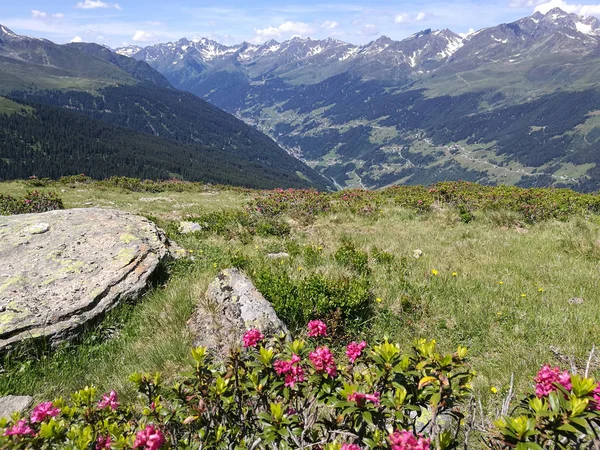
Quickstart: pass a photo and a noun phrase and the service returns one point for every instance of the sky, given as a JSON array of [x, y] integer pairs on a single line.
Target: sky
[[143, 22]]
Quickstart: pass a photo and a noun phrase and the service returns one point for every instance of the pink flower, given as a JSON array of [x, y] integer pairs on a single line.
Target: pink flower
[[323, 361], [19, 429], [42, 411], [111, 400], [252, 337], [103, 442], [150, 438], [293, 371], [405, 440], [354, 350], [316, 328], [596, 402], [547, 379], [361, 398], [350, 447]]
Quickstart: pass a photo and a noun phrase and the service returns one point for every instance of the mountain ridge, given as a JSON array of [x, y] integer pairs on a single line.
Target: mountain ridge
[[379, 113], [79, 107]]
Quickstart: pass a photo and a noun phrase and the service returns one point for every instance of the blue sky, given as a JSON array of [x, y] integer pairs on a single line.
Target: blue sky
[[120, 22]]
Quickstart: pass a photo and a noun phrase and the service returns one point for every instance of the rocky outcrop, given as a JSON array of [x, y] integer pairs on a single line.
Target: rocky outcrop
[[230, 307], [14, 404], [60, 270]]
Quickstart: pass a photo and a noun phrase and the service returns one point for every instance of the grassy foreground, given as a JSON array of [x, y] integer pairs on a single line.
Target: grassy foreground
[[517, 295]]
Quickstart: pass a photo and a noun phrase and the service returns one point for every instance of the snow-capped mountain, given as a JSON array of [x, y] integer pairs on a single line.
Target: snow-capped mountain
[[521, 88]]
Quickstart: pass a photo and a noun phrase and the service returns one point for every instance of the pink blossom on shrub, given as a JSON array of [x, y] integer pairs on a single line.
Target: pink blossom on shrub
[[295, 375], [293, 371], [596, 394], [405, 440], [19, 429], [150, 438], [316, 328], [252, 337], [547, 378], [361, 398], [322, 359], [354, 350], [103, 442], [111, 400], [350, 447], [42, 411]]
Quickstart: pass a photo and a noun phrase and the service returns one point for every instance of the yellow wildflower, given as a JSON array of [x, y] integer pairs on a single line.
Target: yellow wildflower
[[500, 282], [454, 274], [434, 272], [494, 390], [523, 295], [378, 300]]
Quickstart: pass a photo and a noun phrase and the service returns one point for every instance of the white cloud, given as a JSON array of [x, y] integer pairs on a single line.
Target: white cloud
[[58, 15], [369, 30], [94, 4], [410, 18], [77, 39], [154, 23], [38, 14], [285, 29], [329, 24], [143, 36], [464, 35], [584, 10]]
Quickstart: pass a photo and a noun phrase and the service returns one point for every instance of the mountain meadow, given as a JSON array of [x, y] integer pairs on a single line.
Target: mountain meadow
[[509, 273]]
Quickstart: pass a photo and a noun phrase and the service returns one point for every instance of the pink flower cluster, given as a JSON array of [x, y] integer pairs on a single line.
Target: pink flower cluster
[[110, 400], [150, 438], [350, 447], [252, 337], [596, 394], [293, 371], [42, 411], [316, 328], [405, 440], [103, 442], [322, 359], [361, 398], [354, 350], [19, 429], [547, 379]]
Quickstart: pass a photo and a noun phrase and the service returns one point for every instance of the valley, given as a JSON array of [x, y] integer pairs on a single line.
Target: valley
[[520, 98]]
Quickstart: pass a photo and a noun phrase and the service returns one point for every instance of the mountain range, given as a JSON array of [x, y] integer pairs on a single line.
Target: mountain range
[[81, 108], [518, 103]]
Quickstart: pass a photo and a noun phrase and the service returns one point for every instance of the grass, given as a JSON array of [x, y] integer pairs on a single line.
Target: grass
[[499, 288]]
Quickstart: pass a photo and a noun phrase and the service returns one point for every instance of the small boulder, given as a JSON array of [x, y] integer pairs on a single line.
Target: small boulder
[[280, 255], [576, 301], [231, 306], [14, 403], [189, 227]]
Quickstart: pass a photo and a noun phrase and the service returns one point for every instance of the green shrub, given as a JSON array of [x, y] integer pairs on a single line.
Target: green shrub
[[32, 202], [349, 256], [271, 394], [342, 302]]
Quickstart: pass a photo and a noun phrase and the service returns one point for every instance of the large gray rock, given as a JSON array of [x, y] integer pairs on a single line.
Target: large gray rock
[[231, 306], [62, 269], [14, 403]]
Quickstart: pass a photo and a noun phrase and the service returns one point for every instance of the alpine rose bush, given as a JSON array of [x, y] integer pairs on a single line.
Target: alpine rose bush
[[564, 412]]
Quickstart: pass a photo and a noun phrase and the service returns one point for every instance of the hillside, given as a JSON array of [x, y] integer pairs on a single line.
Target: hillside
[[89, 110], [511, 104], [508, 273]]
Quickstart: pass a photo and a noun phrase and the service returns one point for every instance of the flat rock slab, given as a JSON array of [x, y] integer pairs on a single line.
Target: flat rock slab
[[14, 403], [231, 306], [62, 269]]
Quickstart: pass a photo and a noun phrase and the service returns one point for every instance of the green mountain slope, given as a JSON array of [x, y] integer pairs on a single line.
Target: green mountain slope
[[93, 111], [516, 103]]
